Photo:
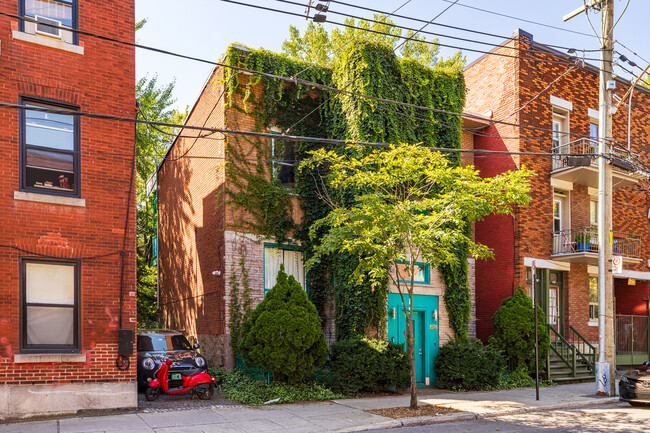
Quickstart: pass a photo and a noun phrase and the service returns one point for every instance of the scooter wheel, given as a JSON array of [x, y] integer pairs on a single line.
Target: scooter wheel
[[152, 393], [205, 391]]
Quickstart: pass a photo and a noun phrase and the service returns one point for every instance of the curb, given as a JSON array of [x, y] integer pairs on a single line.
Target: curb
[[470, 416]]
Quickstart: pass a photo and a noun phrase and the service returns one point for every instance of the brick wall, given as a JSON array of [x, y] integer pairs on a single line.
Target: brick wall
[[513, 90], [101, 80]]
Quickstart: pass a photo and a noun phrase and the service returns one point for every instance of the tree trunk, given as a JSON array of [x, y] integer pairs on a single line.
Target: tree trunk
[[410, 348]]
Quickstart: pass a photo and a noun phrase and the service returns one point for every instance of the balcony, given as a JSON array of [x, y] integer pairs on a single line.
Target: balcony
[[580, 245], [577, 162]]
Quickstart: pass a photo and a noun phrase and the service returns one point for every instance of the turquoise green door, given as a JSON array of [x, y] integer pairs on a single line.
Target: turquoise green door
[[418, 334], [425, 327]]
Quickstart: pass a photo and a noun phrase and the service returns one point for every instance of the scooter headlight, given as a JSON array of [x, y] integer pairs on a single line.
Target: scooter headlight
[[148, 364], [200, 361]]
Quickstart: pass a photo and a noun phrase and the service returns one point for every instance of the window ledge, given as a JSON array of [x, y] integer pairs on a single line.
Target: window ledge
[[29, 358], [50, 199], [48, 42], [590, 323]]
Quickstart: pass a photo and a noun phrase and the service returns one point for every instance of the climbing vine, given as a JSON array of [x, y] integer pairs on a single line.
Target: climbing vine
[[240, 305], [368, 68]]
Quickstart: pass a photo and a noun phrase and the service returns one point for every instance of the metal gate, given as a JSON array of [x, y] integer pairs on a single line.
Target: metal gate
[[631, 339]]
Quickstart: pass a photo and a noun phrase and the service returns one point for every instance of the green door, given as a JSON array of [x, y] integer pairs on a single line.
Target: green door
[[425, 333]]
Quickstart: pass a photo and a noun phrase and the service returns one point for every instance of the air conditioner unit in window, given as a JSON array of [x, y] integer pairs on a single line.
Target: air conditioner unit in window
[[44, 29]]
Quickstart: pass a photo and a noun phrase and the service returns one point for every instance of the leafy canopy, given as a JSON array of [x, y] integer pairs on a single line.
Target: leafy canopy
[[411, 202], [318, 46]]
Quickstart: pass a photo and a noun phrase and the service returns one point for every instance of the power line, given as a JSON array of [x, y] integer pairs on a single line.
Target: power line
[[464, 29]]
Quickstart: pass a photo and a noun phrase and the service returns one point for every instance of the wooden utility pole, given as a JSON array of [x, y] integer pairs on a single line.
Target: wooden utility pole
[[606, 365]]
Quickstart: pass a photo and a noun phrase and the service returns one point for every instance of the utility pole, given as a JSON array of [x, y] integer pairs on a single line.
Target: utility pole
[[606, 365]]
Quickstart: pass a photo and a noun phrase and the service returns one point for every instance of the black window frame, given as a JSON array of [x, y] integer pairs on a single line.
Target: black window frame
[[50, 348], [75, 17], [25, 100]]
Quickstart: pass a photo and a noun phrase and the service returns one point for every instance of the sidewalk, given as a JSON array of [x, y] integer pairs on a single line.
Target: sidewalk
[[330, 416]]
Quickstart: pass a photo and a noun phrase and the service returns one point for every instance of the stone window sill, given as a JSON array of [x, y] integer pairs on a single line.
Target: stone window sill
[[48, 42], [32, 358], [49, 199], [590, 323]]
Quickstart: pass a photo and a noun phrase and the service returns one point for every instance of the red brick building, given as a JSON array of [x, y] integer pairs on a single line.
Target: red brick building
[[67, 199], [549, 103]]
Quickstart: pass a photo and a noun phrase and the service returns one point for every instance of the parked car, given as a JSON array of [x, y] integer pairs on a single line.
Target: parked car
[[634, 386], [156, 345]]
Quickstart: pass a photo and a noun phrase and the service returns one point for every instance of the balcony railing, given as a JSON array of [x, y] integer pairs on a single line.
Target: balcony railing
[[582, 152], [585, 240]]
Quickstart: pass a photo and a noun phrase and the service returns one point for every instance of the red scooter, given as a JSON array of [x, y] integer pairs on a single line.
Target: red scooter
[[196, 381]]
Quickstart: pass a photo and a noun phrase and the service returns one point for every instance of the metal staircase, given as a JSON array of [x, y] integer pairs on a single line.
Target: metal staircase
[[571, 358]]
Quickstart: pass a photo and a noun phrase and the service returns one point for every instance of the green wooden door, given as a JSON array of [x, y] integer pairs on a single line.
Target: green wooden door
[[420, 349]]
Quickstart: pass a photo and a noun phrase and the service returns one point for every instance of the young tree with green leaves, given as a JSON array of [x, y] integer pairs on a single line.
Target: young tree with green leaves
[[411, 204]]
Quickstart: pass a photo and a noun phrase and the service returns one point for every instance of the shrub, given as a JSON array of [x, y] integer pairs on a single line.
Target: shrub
[[465, 366], [284, 333], [365, 365], [515, 330], [238, 386], [521, 379]]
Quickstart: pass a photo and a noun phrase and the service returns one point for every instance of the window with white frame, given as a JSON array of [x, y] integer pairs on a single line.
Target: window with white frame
[[593, 212], [560, 131], [593, 299], [553, 306], [557, 216], [49, 306], [50, 15], [278, 255]]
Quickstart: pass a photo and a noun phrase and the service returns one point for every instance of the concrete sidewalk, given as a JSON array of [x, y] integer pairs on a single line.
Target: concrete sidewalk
[[330, 416]]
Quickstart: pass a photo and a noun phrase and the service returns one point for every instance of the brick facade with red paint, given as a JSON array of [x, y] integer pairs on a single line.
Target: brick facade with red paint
[[514, 90], [98, 77]]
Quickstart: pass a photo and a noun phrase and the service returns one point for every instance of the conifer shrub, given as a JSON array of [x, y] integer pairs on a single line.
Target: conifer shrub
[[514, 323], [283, 333], [465, 366], [366, 366]]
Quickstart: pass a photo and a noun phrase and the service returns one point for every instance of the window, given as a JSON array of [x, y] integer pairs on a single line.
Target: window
[[421, 273], [49, 306], [62, 13], [553, 309], [560, 132], [593, 130], [593, 299], [277, 255], [49, 150], [557, 216], [593, 212], [283, 159]]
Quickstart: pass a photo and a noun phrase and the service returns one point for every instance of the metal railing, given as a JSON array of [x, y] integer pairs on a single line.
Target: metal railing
[[564, 350], [585, 240], [584, 349], [584, 151]]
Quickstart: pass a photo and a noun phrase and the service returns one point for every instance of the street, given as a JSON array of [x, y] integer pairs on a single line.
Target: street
[[619, 417]]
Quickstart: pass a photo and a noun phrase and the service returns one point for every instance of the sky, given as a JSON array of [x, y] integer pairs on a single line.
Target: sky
[[205, 28]]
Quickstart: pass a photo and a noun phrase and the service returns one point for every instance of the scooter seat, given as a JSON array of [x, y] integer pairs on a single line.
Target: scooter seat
[[190, 372]]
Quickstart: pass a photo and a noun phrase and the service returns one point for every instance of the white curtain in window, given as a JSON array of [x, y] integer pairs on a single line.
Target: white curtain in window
[[292, 261], [49, 284], [50, 325]]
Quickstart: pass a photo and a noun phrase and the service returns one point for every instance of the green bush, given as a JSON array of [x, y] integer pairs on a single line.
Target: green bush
[[465, 366], [238, 386], [284, 332], [515, 331], [521, 379], [365, 365]]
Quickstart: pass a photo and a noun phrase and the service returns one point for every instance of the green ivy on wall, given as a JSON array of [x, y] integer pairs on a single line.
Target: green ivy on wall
[[368, 68]]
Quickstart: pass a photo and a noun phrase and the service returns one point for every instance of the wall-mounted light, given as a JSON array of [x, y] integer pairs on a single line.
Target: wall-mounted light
[[434, 315], [392, 313]]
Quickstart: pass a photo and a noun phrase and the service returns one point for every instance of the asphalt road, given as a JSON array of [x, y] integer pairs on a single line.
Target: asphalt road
[[602, 418]]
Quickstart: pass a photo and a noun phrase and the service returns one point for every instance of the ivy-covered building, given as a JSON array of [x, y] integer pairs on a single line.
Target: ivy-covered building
[[233, 207]]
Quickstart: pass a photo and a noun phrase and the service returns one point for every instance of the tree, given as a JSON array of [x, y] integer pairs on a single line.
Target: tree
[[411, 205], [284, 332], [317, 46], [514, 324]]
